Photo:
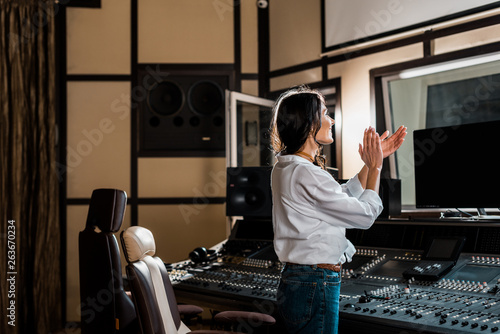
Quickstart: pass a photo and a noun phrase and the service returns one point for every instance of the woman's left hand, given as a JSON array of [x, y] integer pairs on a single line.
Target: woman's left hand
[[392, 143]]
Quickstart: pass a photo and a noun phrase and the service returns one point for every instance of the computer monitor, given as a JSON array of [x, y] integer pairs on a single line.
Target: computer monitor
[[458, 166]]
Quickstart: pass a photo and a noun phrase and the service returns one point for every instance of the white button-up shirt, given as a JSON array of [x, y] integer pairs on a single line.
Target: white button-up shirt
[[311, 212]]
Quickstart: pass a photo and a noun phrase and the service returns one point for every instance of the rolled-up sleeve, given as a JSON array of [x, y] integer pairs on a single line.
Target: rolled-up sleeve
[[350, 206], [353, 187]]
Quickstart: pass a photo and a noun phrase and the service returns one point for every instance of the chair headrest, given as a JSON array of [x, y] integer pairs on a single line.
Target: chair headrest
[[106, 210], [138, 242]]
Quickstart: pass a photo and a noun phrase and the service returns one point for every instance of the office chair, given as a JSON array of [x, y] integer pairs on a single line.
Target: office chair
[[153, 293], [105, 306]]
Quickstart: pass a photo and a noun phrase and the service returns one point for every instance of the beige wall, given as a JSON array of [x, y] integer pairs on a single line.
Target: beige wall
[[98, 137], [178, 229], [98, 40], [188, 31], [295, 32], [249, 33]]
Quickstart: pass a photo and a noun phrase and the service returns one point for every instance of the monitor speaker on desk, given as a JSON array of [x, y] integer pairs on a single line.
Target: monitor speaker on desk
[[249, 192], [390, 193]]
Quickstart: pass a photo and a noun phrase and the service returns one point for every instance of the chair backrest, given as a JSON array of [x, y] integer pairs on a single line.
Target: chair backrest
[[105, 307], [152, 290]]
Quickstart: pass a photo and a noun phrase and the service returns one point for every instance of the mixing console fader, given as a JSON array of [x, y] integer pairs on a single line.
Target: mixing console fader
[[229, 279], [374, 292], [466, 300], [383, 290]]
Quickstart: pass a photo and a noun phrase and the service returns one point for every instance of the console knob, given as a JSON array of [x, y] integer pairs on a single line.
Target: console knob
[[474, 325], [494, 329], [442, 321], [364, 299], [454, 322], [465, 323], [483, 327]]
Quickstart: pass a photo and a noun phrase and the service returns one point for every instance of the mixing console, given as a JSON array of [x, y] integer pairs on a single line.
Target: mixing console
[[464, 301], [374, 292], [255, 276]]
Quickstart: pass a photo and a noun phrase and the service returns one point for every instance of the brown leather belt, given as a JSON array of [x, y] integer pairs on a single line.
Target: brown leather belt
[[333, 267]]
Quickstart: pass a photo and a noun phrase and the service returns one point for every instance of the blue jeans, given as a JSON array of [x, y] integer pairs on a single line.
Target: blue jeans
[[308, 299]]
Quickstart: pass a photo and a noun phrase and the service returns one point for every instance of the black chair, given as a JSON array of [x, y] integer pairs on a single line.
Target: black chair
[[153, 293], [105, 306]]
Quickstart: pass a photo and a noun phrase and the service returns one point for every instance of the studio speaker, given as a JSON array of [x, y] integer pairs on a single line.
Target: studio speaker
[[182, 114], [390, 193], [248, 192]]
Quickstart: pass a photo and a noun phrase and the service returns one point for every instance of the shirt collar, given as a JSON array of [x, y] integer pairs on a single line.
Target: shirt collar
[[292, 157]]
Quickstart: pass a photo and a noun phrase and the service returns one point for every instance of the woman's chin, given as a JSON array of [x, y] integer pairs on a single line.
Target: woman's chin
[[326, 142]]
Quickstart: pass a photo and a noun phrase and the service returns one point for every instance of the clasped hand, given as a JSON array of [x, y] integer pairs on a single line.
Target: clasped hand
[[375, 148], [371, 151]]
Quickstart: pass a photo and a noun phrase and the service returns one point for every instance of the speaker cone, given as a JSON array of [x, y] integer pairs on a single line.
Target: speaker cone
[[205, 98], [248, 192], [165, 98], [248, 198]]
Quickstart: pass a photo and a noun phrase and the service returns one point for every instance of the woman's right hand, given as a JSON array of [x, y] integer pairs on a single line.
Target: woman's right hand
[[371, 151]]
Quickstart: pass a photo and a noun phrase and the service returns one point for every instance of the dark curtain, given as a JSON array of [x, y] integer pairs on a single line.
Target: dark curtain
[[29, 230]]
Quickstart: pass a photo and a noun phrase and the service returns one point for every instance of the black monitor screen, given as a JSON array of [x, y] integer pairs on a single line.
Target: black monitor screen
[[457, 166], [253, 230], [393, 268], [475, 273], [444, 249]]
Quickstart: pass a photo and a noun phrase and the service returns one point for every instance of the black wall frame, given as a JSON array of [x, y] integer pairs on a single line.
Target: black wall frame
[[81, 3]]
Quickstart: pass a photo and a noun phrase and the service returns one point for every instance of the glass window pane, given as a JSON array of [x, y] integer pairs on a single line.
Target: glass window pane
[[438, 96]]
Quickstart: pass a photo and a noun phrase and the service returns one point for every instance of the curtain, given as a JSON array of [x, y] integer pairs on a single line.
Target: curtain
[[30, 245]]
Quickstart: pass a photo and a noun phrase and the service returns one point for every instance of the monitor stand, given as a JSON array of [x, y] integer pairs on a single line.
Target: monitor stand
[[482, 215]]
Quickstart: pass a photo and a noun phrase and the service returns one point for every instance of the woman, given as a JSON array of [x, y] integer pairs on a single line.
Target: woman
[[311, 210]]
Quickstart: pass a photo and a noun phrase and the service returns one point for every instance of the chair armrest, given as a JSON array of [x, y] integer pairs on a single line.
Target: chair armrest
[[189, 309], [253, 318]]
